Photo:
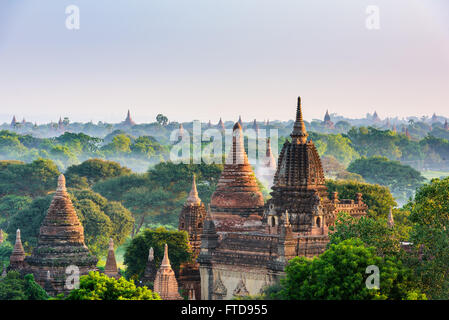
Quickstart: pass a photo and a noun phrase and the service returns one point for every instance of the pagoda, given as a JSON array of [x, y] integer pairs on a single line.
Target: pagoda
[[110, 268], [128, 121], [17, 258], [150, 269], [267, 169], [191, 220], [165, 283], [14, 121], [237, 202], [60, 244], [220, 125], [327, 120]]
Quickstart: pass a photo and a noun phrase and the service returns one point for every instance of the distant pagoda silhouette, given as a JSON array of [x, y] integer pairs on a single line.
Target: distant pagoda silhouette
[[129, 121]]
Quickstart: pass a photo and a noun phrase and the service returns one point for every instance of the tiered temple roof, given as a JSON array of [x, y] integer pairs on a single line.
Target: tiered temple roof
[[191, 220], [165, 283], [237, 201], [110, 268], [60, 243]]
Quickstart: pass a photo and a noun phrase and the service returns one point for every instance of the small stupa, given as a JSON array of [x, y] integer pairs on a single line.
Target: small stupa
[[165, 283], [150, 269], [60, 244], [17, 259], [110, 268]]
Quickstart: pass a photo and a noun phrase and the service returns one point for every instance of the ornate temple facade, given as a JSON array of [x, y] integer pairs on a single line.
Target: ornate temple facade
[[247, 243]]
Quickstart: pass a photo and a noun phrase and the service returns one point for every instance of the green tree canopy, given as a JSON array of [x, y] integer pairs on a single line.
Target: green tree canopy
[[401, 179], [98, 286], [136, 255], [93, 171], [16, 287], [28, 179], [378, 198], [340, 274], [430, 237]]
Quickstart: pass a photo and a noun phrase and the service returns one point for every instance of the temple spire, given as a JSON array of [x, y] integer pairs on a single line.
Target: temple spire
[[61, 184], [110, 268], [165, 283], [193, 198], [151, 254], [17, 258], [166, 260], [299, 134]]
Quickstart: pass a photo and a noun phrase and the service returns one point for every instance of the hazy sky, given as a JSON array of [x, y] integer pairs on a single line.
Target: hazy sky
[[202, 59]]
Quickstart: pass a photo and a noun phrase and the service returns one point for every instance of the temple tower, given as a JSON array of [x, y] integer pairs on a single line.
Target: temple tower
[[14, 122], [446, 125], [220, 126], [165, 283], [299, 185], [60, 244], [150, 269], [237, 203], [17, 259], [266, 171], [191, 220], [110, 268], [129, 121]]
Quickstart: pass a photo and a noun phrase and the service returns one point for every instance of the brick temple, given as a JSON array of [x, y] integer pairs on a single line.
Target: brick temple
[[246, 243], [60, 245]]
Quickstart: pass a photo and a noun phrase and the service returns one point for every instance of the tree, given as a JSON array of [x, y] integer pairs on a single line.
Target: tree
[[378, 198], [14, 287], [340, 274], [11, 204], [136, 255], [430, 237], [161, 119], [161, 192], [98, 286], [93, 171], [401, 179], [372, 232], [41, 176]]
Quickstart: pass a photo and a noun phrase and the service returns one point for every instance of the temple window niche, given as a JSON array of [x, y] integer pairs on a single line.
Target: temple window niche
[[318, 222]]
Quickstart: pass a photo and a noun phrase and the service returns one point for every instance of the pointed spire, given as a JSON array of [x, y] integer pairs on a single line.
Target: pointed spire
[[165, 283], [299, 133], [110, 268], [237, 153], [240, 121], [151, 254], [61, 184], [193, 198], [14, 121], [166, 260], [17, 258], [446, 125], [327, 117], [390, 220]]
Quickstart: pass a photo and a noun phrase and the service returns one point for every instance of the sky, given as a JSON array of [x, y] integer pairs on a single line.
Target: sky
[[206, 59]]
